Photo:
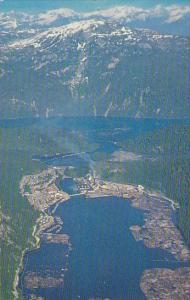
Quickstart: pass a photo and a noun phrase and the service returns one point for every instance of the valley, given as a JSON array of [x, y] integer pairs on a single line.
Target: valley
[[94, 150], [47, 173]]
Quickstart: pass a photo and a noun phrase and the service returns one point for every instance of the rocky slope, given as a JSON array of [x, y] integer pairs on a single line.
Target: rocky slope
[[93, 67]]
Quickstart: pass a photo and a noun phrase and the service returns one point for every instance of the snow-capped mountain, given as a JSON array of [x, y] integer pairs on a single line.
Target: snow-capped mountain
[[95, 67], [172, 19], [66, 63]]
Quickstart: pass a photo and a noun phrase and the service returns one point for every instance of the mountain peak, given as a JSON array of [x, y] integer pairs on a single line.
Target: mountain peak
[[49, 17]]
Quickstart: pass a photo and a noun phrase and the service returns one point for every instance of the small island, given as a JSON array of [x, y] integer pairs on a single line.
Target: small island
[[33, 280]]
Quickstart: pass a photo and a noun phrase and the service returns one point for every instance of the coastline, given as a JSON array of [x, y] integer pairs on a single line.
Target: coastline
[[35, 245], [45, 218], [154, 204]]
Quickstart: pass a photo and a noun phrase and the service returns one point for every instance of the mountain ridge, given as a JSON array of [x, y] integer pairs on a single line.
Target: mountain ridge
[[160, 18], [95, 67]]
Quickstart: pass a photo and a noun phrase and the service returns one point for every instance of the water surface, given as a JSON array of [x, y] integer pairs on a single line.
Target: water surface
[[105, 260]]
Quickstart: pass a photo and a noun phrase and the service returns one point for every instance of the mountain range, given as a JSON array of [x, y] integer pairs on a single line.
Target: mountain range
[[124, 61]]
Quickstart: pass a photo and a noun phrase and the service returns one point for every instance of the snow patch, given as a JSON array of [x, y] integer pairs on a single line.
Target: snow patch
[[108, 109], [113, 63]]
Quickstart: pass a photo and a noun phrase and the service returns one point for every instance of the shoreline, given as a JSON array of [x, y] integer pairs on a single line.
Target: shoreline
[[152, 203], [35, 245], [45, 218]]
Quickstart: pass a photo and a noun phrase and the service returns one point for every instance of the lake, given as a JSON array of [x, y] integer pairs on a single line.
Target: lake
[[105, 260]]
